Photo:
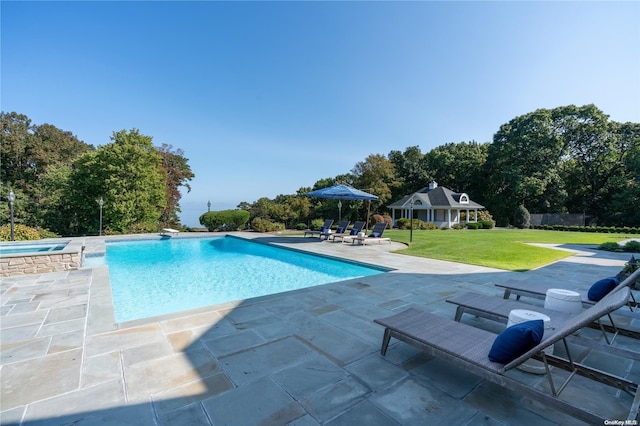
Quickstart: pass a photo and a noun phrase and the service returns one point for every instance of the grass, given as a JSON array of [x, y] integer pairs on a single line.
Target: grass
[[496, 248]]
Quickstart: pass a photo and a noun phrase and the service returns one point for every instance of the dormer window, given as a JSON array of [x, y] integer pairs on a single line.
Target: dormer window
[[464, 199]]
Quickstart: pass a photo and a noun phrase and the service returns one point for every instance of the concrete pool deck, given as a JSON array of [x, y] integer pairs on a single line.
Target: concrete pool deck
[[305, 357]]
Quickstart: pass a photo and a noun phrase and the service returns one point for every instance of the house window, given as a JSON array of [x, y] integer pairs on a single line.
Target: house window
[[464, 199]]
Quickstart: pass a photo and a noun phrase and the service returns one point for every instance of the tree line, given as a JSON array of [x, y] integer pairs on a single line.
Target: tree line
[[564, 160], [58, 180]]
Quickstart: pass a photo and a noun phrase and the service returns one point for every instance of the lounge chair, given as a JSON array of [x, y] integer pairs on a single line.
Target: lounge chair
[[468, 347], [498, 309], [538, 290], [323, 232], [375, 235], [357, 227]]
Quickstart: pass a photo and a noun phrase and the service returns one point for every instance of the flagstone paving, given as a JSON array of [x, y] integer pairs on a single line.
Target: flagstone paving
[[305, 357]]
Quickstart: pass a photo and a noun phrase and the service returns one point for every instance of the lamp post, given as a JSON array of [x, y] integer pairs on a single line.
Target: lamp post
[[101, 203], [633, 263], [339, 210], [12, 198], [411, 228], [209, 206]]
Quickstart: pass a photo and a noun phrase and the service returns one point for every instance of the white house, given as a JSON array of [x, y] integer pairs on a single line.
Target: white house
[[436, 204]]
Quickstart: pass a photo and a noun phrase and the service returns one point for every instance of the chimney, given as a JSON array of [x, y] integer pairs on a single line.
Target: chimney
[[433, 184]]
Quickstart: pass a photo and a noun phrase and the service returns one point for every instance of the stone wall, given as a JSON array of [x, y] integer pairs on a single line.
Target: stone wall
[[39, 264]]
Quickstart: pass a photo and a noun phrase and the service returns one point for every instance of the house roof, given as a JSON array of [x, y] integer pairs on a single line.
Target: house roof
[[439, 197]]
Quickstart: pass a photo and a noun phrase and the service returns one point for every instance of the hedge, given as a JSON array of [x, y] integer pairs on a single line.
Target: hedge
[[602, 229]]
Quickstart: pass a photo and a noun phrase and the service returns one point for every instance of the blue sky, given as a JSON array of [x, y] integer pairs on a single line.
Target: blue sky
[[268, 97]]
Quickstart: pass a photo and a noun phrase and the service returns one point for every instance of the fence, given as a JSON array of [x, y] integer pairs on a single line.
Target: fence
[[569, 219]]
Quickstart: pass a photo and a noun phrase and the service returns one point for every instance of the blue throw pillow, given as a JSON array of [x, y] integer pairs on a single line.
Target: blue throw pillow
[[601, 288], [322, 229], [516, 340], [340, 230], [374, 235], [354, 231]]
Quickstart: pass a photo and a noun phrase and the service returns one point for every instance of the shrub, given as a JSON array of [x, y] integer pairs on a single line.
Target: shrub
[[428, 225], [403, 223], [474, 225], [300, 226], [486, 224], [316, 224], [20, 233], [484, 215], [610, 246], [522, 218], [632, 246], [265, 225], [225, 220], [458, 226]]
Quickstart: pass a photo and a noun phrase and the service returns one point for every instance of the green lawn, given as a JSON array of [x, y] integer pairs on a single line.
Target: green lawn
[[496, 248]]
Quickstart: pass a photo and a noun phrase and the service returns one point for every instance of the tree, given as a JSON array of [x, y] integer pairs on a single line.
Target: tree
[[377, 175], [596, 152], [459, 166], [411, 169], [523, 165], [17, 139], [624, 207], [128, 175], [27, 152], [177, 173]]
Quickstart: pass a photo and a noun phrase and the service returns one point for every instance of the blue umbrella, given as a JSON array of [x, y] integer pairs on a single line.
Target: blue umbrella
[[343, 192]]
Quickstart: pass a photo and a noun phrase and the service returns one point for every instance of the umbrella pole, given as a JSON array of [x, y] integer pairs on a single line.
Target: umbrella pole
[[368, 209]]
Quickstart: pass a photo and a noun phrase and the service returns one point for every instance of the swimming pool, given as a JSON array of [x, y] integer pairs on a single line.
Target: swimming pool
[[150, 278]]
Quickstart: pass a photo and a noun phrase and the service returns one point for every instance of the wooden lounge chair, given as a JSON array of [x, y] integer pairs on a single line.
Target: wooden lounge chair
[[357, 227], [375, 235], [498, 309], [323, 232], [468, 347]]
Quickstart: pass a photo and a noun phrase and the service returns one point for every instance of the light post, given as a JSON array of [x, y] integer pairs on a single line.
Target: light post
[[209, 206], [101, 203], [411, 228], [12, 198], [339, 210]]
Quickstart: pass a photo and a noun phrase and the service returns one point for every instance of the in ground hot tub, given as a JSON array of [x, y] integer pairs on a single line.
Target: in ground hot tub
[[38, 257]]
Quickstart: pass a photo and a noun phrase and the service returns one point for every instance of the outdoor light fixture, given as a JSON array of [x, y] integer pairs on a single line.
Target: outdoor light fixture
[[100, 203], [12, 198], [209, 206], [339, 210], [633, 263]]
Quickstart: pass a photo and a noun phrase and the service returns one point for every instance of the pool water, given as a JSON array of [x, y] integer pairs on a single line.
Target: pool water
[[150, 278], [17, 248]]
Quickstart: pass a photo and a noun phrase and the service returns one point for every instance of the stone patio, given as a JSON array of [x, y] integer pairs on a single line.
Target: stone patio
[[305, 357]]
